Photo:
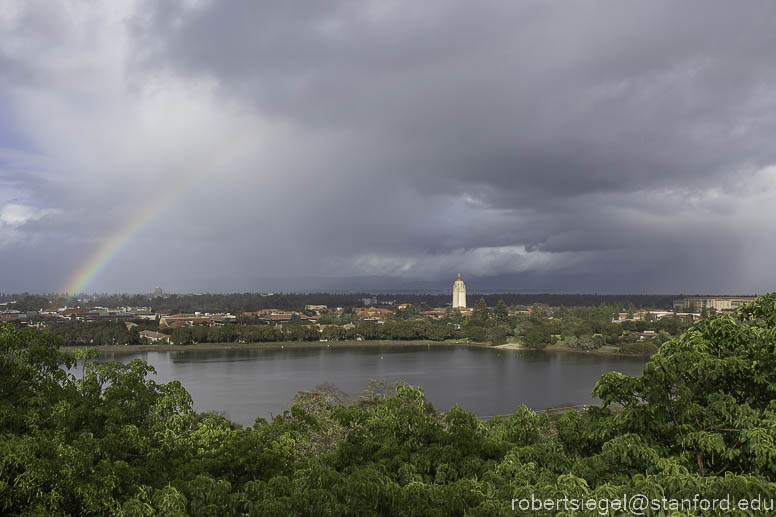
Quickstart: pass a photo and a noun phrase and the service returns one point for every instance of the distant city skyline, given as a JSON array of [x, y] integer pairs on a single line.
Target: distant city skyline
[[537, 146]]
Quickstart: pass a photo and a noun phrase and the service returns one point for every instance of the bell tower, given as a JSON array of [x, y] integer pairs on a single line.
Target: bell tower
[[459, 293]]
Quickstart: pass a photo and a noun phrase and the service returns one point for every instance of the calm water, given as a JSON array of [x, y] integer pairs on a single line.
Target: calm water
[[250, 383]]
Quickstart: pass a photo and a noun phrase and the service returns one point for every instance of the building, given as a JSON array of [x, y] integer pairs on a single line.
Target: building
[[158, 292], [371, 312], [717, 303], [439, 312], [189, 320], [12, 315], [459, 293], [622, 317], [154, 337]]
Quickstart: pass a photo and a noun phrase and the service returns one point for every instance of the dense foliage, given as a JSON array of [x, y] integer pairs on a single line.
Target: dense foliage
[[239, 302], [100, 333], [700, 420], [583, 328]]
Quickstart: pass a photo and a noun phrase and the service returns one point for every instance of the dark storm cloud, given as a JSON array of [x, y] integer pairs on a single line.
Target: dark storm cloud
[[565, 126], [538, 98], [574, 146]]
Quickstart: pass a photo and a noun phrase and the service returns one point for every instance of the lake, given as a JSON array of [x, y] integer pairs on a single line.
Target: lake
[[248, 383]]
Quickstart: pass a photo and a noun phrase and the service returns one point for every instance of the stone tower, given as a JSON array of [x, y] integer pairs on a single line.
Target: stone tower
[[459, 293]]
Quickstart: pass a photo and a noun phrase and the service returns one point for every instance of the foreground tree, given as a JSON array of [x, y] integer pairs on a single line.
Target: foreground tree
[[710, 396]]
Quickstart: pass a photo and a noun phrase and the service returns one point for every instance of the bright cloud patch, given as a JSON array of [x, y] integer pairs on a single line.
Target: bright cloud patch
[[14, 214], [478, 261]]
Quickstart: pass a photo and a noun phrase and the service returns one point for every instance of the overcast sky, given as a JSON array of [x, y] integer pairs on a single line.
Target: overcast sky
[[544, 145]]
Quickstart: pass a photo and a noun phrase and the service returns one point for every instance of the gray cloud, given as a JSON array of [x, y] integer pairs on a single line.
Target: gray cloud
[[599, 146]]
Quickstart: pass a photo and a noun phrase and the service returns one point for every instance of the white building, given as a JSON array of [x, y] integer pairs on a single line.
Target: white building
[[154, 337], [459, 293], [718, 303]]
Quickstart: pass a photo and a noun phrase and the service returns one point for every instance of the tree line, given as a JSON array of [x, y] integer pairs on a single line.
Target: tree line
[[584, 328], [247, 302]]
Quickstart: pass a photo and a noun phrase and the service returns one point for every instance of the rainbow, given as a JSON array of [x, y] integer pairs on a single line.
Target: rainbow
[[90, 270], [98, 261]]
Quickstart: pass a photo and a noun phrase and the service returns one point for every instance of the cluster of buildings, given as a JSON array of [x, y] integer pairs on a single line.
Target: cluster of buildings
[[13, 315], [686, 308], [196, 318], [38, 318], [656, 315], [691, 308], [719, 304]]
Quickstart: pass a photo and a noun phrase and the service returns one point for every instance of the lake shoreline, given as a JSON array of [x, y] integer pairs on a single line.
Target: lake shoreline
[[605, 350], [129, 349]]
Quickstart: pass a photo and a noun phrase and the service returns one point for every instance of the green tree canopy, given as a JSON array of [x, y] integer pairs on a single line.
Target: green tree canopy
[[480, 313], [502, 311]]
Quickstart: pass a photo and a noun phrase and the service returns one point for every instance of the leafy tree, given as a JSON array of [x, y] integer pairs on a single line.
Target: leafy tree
[[476, 333], [367, 329], [480, 313], [502, 311], [181, 336], [333, 333], [377, 389], [562, 313], [497, 335], [537, 335], [84, 354]]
